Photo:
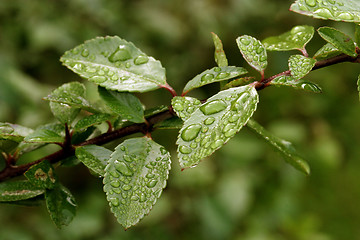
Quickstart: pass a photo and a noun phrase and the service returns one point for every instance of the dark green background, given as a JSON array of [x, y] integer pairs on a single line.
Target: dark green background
[[244, 191]]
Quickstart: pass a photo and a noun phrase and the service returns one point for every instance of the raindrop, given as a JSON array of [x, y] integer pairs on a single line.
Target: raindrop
[[121, 54], [142, 197], [134, 198], [178, 107], [190, 132], [222, 75], [214, 106], [209, 121], [218, 143], [324, 12], [163, 151], [115, 184], [233, 118], [141, 60], [126, 187], [230, 133], [115, 202], [123, 148], [245, 41], [217, 69], [152, 183], [193, 145], [185, 149], [114, 174], [123, 168], [346, 16], [150, 175], [311, 3], [207, 77], [85, 53], [98, 79]]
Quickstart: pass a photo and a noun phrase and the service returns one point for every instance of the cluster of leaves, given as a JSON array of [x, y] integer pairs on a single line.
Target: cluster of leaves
[[135, 172]]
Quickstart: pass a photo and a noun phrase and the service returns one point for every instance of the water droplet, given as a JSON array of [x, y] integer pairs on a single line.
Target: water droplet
[[121, 54], [185, 149], [214, 106], [193, 145], [190, 132], [141, 60], [114, 174], [115, 202], [75, 51], [233, 118], [209, 121], [122, 148], [311, 3], [229, 127], [245, 41], [123, 168], [163, 151], [324, 12], [178, 107], [134, 198], [259, 50], [218, 143], [152, 183], [230, 133], [127, 65], [217, 69], [207, 77], [345, 16], [150, 175], [115, 184], [222, 75], [126, 187], [85, 53], [142, 197], [98, 79]]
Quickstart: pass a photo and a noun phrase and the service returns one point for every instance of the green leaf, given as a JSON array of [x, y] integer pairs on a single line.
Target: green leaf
[[357, 34], [358, 83], [339, 10], [125, 104], [11, 135], [170, 123], [65, 112], [300, 66], [31, 202], [94, 157], [61, 205], [42, 175], [115, 64], [238, 82], [80, 136], [91, 120], [220, 57], [339, 40], [155, 110], [284, 147], [215, 123], [44, 136], [296, 38], [290, 81], [18, 190], [134, 178], [327, 51], [184, 106], [215, 74], [253, 52]]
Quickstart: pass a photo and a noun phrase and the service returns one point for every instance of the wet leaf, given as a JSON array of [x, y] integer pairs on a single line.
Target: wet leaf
[[134, 178], [290, 81], [215, 74], [64, 112], [91, 120], [339, 40], [215, 123], [11, 135], [238, 82], [253, 52], [42, 175], [171, 123], [94, 157], [220, 57], [184, 106], [296, 38], [155, 110], [284, 147], [339, 10], [18, 190], [357, 34], [124, 104], [327, 51], [61, 205], [300, 66], [44, 136], [115, 64]]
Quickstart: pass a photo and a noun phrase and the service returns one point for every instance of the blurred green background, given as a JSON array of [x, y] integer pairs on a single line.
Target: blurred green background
[[244, 191]]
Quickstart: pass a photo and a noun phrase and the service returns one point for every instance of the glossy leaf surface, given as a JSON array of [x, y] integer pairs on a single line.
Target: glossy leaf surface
[[66, 113], [215, 123], [300, 66], [290, 81], [215, 74], [238, 82], [18, 190], [326, 51], [42, 175], [357, 34], [135, 177], [61, 205], [253, 52], [170, 123], [124, 104], [220, 57], [184, 106], [91, 120], [339, 40], [296, 38], [11, 135], [115, 64], [44, 136], [284, 147], [94, 157], [337, 10]]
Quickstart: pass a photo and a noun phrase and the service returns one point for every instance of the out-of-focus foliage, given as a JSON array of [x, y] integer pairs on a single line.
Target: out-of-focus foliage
[[244, 191]]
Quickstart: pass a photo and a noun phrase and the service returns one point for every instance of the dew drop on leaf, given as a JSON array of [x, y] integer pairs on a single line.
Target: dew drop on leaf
[[152, 183], [115, 202], [209, 121], [141, 60], [123, 169], [324, 12], [121, 54], [213, 107], [185, 149], [207, 77], [85, 53], [311, 3], [191, 132]]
